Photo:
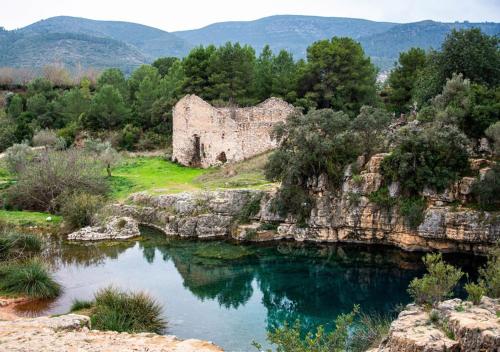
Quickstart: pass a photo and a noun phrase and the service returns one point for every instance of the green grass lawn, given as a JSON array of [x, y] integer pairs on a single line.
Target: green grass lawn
[[27, 218], [159, 176], [155, 175]]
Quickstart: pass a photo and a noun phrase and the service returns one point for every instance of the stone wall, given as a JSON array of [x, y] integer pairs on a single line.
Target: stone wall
[[204, 135]]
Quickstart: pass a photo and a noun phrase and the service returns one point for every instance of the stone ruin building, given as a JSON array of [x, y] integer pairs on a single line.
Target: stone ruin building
[[204, 135]]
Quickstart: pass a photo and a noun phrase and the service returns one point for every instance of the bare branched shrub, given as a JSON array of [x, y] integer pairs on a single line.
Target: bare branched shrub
[[18, 157], [7, 76], [89, 73], [15, 76], [104, 152], [45, 138], [45, 181], [58, 75]]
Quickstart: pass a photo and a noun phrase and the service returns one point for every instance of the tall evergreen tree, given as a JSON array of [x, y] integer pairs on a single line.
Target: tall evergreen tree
[[107, 110], [230, 73], [264, 74], [339, 75], [195, 66], [402, 79], [115, 78]]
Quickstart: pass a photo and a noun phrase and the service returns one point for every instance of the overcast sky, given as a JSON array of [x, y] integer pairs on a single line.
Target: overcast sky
[[188, 14]]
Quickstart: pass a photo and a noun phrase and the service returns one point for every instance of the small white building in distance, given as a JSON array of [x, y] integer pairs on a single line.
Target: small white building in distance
[[205, 136]]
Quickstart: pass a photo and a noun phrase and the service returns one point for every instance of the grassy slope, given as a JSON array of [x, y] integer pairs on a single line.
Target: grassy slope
[[27, 218], [157, 176], [151, 174]]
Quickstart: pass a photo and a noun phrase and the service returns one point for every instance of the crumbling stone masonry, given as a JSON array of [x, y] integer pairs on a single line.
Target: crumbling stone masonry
[[204, 135]]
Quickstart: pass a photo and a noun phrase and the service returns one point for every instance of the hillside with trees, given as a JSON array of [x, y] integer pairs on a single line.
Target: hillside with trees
[[80, 42], [446, 104]]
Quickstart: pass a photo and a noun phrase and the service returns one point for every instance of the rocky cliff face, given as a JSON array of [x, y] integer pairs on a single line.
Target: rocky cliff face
[[345, 216], [452, 326]]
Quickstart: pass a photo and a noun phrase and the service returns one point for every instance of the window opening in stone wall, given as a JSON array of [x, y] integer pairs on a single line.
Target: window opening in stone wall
[[222, 158]]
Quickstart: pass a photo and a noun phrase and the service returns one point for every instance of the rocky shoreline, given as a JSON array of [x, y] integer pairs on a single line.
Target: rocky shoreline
[[347, 216], [72, 332], [453, 325]]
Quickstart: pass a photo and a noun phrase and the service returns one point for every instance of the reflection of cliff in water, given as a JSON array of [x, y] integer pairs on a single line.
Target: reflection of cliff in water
[[312, 283], [296, 279], [226, 279]]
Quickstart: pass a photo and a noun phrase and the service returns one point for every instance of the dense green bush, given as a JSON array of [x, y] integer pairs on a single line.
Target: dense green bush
[[151, 140], [79, 304], [370, 125], [474, 292], [7, 132], [486, 189], [79, 209], [413, 209], [29, 278], [369, 331], [471, 107], [382, 198], [493, 132], [129, 136], [126, 312], [250, 209], [289, 338], [437, 283], [489, 276], [311, 145], [434, 156]]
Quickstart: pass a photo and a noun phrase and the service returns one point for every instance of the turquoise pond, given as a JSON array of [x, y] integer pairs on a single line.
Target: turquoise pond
[[232, 294]]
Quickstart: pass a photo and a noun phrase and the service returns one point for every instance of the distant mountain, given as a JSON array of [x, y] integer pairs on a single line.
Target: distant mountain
[[38, 50], [152, 42], [292, 33], [89, 43], [425, 34], [101, 44]]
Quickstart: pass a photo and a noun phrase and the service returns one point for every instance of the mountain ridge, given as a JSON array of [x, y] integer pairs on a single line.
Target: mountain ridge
[[126, 45]]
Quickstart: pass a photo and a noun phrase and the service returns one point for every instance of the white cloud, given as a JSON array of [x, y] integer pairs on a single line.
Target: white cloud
[[188, 14]]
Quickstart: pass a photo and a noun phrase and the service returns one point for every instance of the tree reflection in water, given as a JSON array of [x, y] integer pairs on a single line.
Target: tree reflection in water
[[313, 283]]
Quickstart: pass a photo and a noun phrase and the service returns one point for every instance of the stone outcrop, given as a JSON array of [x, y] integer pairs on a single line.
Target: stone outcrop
[[452, 326], [204, 135], [203, 215], [347, 215], [116, 228], [72, 332]]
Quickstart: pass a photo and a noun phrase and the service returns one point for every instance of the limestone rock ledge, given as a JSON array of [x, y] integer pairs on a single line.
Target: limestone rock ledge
[[118, 227], [72, 332], [345, 215], [457, 326]]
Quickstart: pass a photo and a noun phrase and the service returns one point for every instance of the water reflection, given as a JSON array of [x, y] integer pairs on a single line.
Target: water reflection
[[232, 294]]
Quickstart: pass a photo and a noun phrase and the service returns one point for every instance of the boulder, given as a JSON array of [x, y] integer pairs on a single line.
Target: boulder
[[118, 227], [455, 326]]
